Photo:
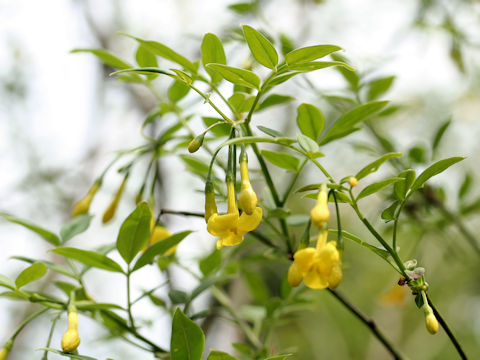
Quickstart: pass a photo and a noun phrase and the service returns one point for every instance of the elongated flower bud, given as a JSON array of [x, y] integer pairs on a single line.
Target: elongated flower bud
[[159, 233], [320, 212], [3, 354], [112, 208], [196, 143], [70, 339], [210, 205], [83, 205], [431, 321], [6, 349], [248, 198]]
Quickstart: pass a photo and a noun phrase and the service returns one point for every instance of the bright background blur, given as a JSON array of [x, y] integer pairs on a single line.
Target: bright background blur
[[62, 118]]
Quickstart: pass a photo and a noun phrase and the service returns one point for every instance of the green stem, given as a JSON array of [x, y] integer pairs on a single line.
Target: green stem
[[27, 321], [292, 183], [129, 301], [445, 327], [207, 99], [50, 336], [368, 322], [395, 226]]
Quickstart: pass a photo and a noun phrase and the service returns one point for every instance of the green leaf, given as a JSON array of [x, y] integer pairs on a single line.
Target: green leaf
[[466, 185], [89, 258], [373, 166], [30, 274], [210, 263], [236, 75], [219, 355], [187, 340], [282, 160], [310, 146], [6, 282], [439, 134], [194, 163], [389, 213], [159, 248], [178, 297], [241, 102], [145, 58], [274, 99], [377, 186], [257, 287], [378, 87], [272, 132], [213, 52], [310, 120], [45, 234], [310, 53], [144, 71], [279, 357], [106, 57], [433, 170], [346, 123], [134, 232], [318, 65], [50, 265], [177, 91], [165, 52], [400, 188], [262, 50], [382, 252], [219, 130], [75, 226]]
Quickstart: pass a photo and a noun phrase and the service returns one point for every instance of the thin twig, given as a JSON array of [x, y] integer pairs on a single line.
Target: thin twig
[[370, 323]]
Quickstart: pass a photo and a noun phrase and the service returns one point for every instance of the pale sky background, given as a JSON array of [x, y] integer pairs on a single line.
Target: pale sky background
[[60, 117]]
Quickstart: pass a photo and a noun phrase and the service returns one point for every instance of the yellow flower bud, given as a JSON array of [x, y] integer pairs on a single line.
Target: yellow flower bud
[[353, 181], [294, 275], [83, 205], [196, 143], [70, 339], [110, 212], [431, 321], [210, 204], [320, 212], [248, 199], [3, 353]]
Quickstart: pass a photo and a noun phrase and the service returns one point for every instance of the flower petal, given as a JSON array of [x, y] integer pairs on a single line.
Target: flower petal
[[294, 275], [335, 276], [218, 225], [315, 280], [327, 258], [248, 223], [304, 259], [231, 239]]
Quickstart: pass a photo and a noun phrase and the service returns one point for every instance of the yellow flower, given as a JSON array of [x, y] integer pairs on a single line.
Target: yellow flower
[[294, 275], [320, 267], [231, 227], [210, 205], [159, 233], [353, 181], [248, 198], [70, 339], [395, 296], [320, 212], [83, 205]]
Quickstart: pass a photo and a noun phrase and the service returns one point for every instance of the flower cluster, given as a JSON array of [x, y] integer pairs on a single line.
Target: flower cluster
[[231, 227], [318, 267]]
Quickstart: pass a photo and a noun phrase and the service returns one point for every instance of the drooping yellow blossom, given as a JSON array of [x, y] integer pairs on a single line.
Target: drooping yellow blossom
[[110, 212], [248, 199], [431, 321], [231, 227], [353, 181], [294, 275], [320, 212], [70, 339], [3, 353], [320, 267], [83, 205]]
